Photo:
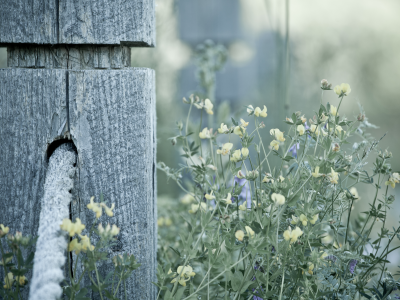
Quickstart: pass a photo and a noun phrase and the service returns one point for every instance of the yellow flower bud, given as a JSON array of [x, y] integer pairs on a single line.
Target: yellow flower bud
[[236, 156], [4, 230], [205, 133], [245, 152], [239, 130], [226, 148], [278, 199], [301, 129], [208, 106], [249, 231], [275, 145], [239, 235]]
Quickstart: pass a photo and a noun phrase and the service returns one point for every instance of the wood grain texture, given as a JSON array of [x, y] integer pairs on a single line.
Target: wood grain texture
[[97, 22], [112, 118], [28, 21], [69, 57], [32, 111], [107, 22]]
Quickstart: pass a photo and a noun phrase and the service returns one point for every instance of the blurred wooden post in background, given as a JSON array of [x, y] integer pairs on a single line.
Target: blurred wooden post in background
[[69, 78]]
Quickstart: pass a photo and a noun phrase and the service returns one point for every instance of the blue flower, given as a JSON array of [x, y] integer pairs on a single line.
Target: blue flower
[[245, 193], [294, 149], [352, 265]]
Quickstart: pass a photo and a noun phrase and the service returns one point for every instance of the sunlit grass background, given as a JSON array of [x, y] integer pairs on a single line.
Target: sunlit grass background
[[356, 41]]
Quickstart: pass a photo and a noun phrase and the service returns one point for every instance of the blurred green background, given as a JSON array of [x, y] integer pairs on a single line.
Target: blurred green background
[[278, 52]]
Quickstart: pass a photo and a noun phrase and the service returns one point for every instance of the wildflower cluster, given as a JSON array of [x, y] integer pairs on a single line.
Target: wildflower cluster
[[16, 261], [91, 251], [280, 226]]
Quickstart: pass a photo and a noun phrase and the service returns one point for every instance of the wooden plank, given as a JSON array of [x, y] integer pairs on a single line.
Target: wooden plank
[[112, 115], [31, 21], [106, 22], [32, 102], [69, 57]]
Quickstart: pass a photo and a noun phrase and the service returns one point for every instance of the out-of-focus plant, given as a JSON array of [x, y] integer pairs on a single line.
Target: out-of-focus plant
[[92, 250], [13, 263], [252, 231]]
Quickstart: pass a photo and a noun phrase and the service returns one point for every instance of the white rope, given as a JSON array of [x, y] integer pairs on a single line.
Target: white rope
[[52, 242]]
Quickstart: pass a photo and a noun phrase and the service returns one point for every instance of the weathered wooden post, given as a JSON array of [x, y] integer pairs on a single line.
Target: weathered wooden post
[[69, 78]]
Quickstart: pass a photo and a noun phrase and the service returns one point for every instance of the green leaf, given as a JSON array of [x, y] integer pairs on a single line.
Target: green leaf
[[179, 293], [236, 280]]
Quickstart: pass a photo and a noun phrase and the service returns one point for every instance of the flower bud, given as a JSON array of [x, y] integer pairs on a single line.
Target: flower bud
[[240, 175], [361, 117]]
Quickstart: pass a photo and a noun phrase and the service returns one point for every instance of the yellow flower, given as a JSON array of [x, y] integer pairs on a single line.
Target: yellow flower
[[281, 178], [208, 106], [278, 134], [292, 235], [21, 280], [210, 196], [109, 211], [6, 262], [8, 280], [334, 111], [295, 220], [3, 230], [168, 222], [249, 231], [334, 177], [228, 199], [195, 207], [314, 219], [239, 130], [344, 89], [187, 199], [327, 239], [301, 129], [260, 113], [223, 128], [243, 123], [303, 119], [275, 144], [314, 129], [316, 173], [243, 206], [278, 199], [250, 109], [236, 156], [160, 221], [85, 243], [95, 207], [303, 219], [239, 235], [72, 228], [245, 152], [74, 245], [354, 192], [226, 148], [393, 179], [205, 133], [268, 178], [310, 268], [185, 274]]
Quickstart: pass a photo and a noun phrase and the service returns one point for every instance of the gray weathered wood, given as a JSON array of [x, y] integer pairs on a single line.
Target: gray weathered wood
[[28, 21], [69, 57], [49, 258], [100, 22], [112, 115], [107, 22], [32, 110]]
